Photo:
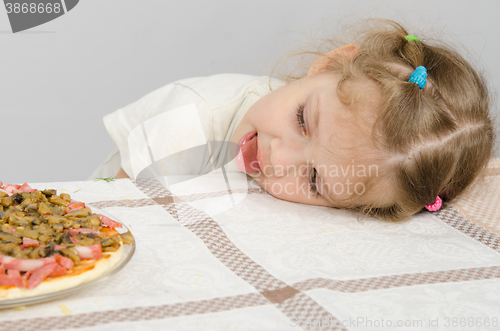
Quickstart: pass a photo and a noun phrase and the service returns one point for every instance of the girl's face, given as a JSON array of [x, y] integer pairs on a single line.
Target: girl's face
[[307, 142]]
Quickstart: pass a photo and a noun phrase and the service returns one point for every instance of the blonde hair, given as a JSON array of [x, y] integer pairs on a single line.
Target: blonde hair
[[436, 139]]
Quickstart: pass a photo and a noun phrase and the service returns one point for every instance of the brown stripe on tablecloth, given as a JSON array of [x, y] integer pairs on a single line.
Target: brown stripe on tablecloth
[[152, 188], [480, 203], [482, 218], [165, 200], [301, 307], [453, 218], [280, 295], [132, 203], [291, 302], [386, 282], [136, 314]]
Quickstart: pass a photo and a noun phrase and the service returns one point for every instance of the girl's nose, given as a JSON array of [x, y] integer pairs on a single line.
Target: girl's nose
[[286, 158]]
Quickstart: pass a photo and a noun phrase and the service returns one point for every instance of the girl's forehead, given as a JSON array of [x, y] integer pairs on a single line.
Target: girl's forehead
[[345, 147], [346, 118]]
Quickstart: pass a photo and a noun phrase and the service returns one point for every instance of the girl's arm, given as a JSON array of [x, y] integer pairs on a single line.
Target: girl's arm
[[121, 174]]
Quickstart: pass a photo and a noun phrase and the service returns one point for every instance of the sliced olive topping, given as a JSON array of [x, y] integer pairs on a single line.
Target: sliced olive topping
[[34, 224]]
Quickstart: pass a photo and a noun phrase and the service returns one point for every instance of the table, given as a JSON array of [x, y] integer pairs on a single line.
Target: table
[[212, 259]]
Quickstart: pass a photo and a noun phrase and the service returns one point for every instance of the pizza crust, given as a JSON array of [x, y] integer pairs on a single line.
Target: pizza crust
[[52, 285]]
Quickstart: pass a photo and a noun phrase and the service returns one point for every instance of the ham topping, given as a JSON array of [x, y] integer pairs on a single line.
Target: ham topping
[[11, 189], [36, 270], [74, 205], [12, 278], [28, 242], [89, 252], [59, 271], [25, 264], [40, 274], [109, 222], [64, 261]]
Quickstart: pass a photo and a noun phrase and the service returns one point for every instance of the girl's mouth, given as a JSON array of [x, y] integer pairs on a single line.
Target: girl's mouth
[[247, 157]]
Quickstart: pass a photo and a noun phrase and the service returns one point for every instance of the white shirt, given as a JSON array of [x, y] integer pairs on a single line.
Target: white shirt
[[176, 118]]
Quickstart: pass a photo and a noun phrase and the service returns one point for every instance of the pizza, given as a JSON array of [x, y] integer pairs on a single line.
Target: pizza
[[49, 242]]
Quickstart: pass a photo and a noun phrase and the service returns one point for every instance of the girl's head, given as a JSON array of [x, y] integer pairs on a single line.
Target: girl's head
[[355, 133]]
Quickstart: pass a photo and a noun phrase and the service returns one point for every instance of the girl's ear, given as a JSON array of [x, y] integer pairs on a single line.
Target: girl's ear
[[329, 60]]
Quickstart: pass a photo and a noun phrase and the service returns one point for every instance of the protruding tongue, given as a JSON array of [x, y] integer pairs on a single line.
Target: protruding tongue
[[247, 157]]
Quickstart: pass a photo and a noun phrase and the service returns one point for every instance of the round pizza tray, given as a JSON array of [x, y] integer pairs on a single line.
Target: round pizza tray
[[128, 251]]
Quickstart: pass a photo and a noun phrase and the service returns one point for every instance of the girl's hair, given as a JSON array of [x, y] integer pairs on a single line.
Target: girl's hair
[[436, 140]]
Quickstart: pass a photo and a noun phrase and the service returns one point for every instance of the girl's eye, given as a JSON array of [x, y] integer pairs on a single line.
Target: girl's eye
[[300, 118], [312, 183]]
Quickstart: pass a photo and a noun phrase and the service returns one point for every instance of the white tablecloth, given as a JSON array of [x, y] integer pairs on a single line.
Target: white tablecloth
[[244, 260]]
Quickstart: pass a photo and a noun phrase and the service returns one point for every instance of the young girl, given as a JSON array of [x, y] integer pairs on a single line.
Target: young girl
[[385, 126]]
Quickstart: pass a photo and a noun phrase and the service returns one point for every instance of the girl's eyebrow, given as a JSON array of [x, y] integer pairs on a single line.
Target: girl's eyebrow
[[316, 116]]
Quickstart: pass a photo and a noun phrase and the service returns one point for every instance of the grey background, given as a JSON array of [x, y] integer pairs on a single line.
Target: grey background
[[59, 79]]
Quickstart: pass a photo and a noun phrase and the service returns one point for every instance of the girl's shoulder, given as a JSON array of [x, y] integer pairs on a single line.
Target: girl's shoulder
[[217, 80], [224, 87]]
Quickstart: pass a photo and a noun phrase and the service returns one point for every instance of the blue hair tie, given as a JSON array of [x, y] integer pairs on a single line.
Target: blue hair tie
[[419, 76]]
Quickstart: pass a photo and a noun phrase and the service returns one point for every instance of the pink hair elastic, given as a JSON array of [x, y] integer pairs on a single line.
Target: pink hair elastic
[[436, 205]]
